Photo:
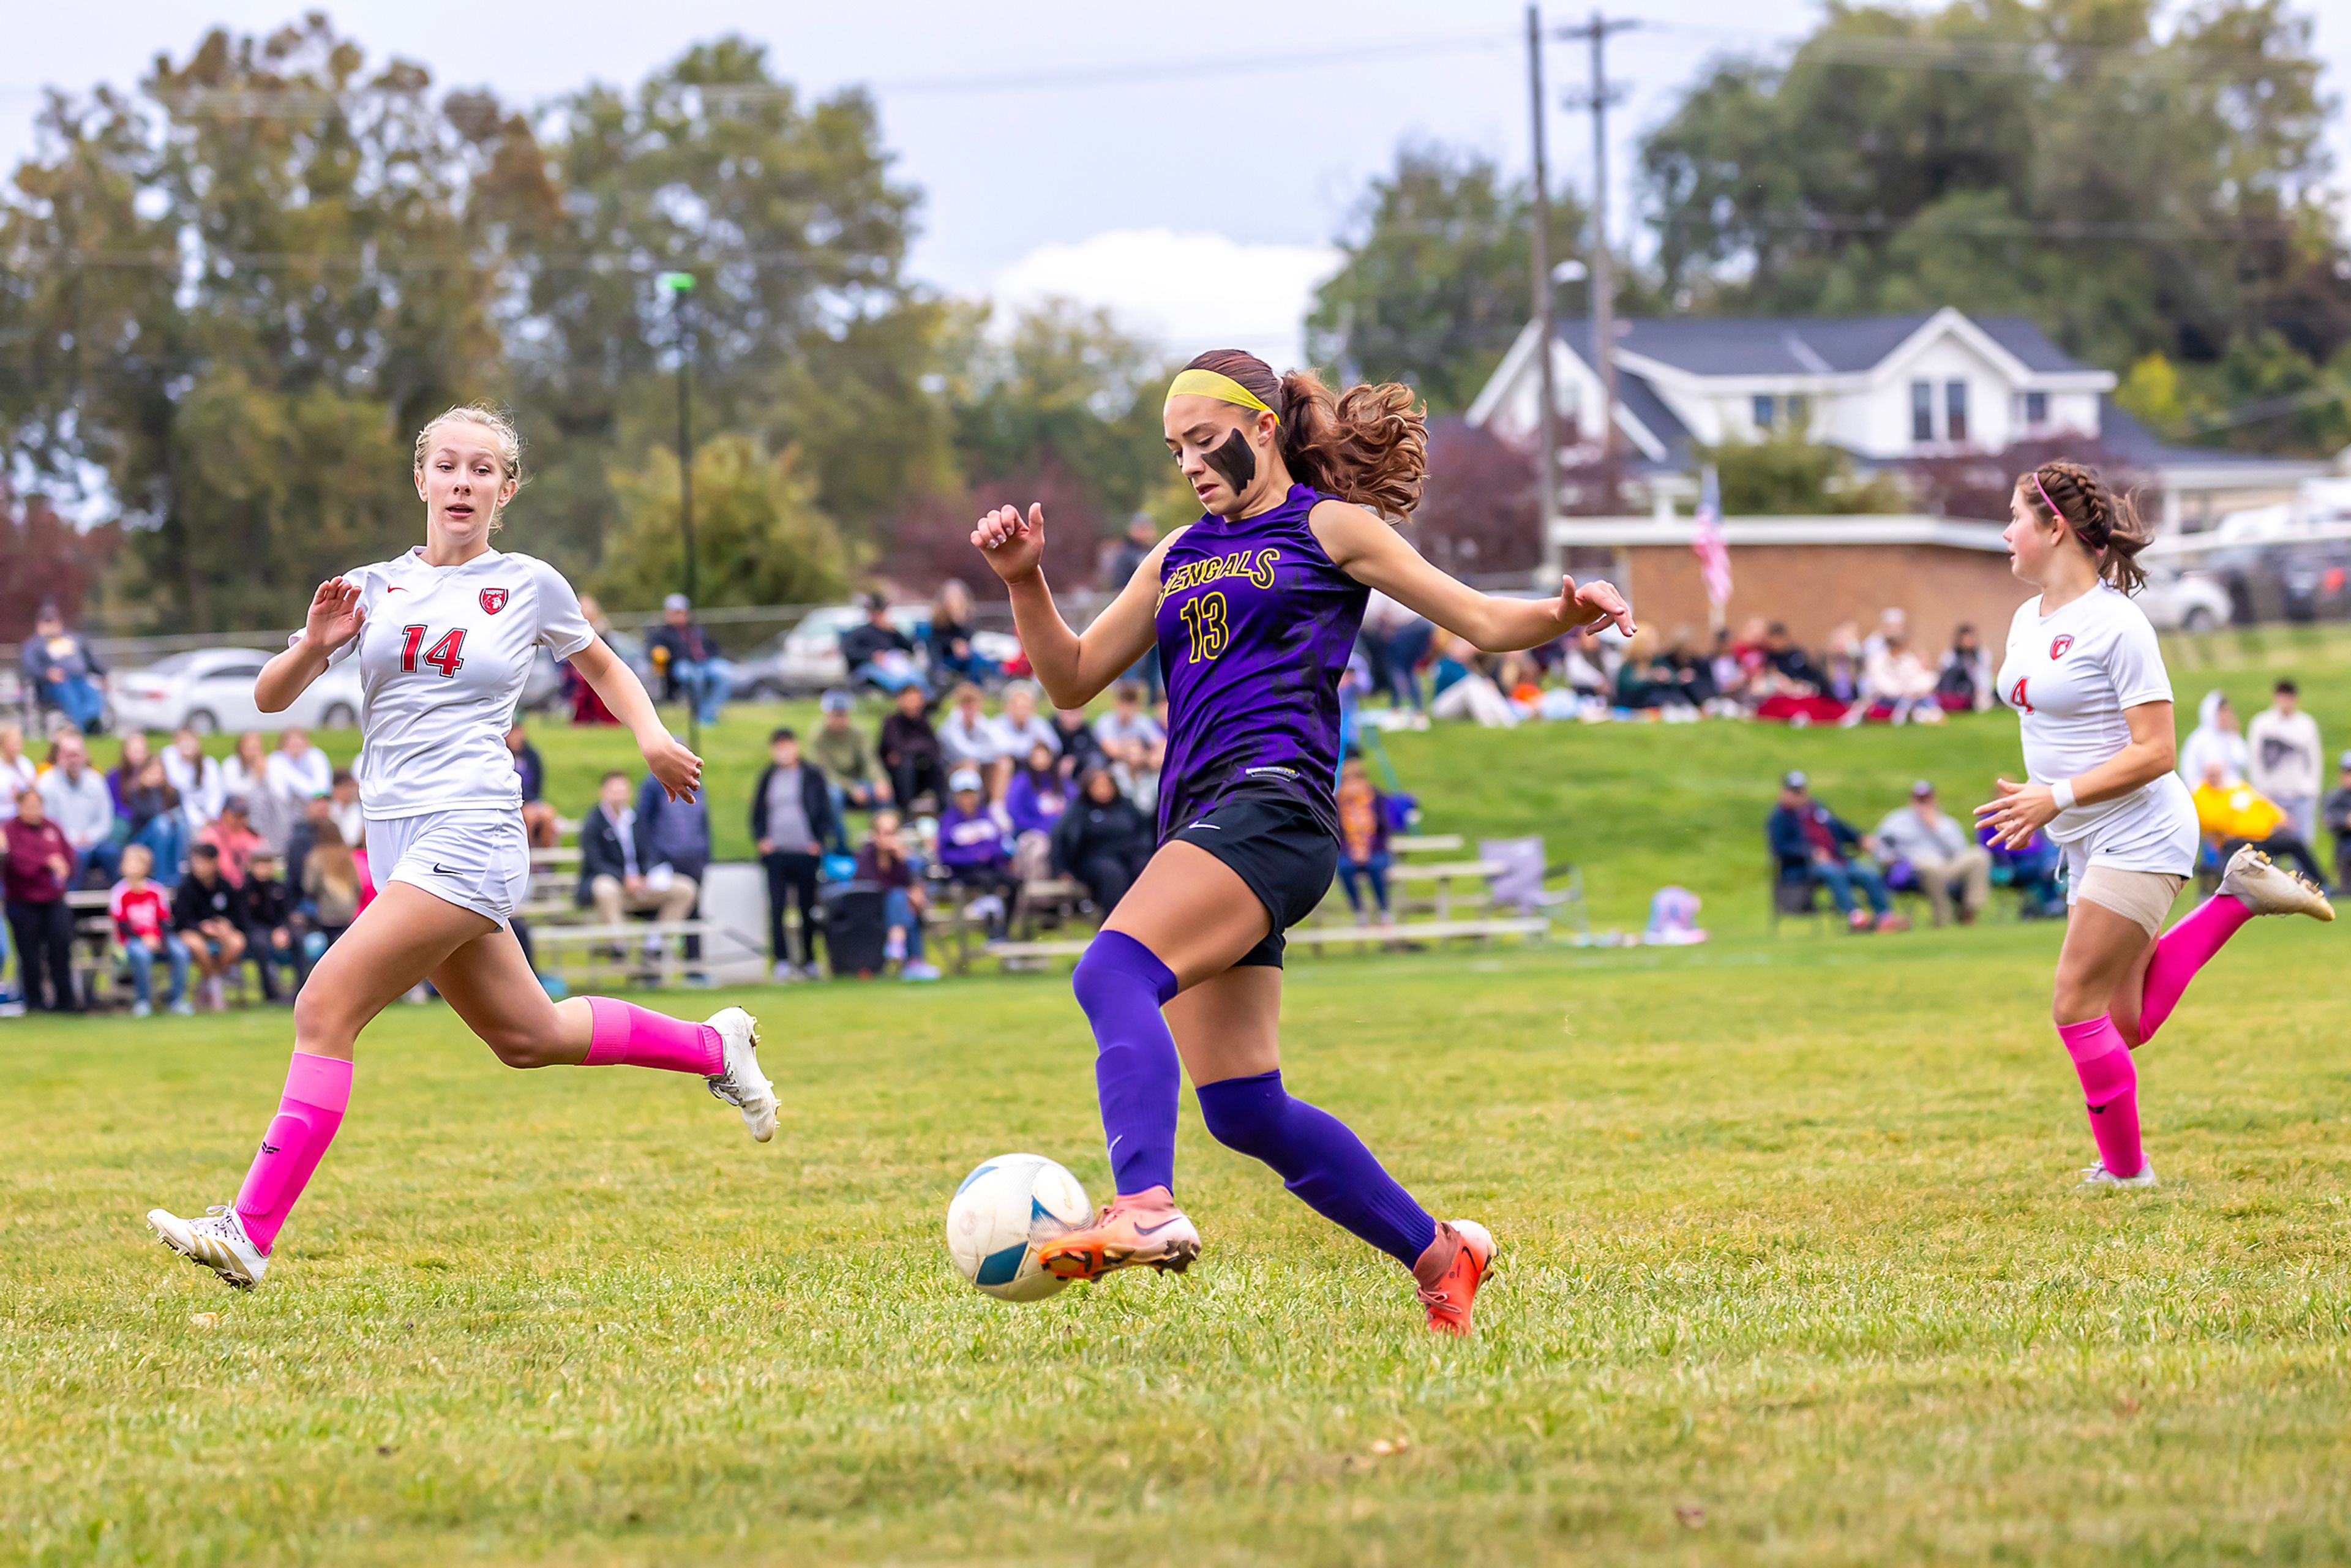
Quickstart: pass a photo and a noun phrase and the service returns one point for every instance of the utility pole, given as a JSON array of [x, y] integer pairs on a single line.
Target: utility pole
[[679, 287], [1547, 416], [1600, 96]]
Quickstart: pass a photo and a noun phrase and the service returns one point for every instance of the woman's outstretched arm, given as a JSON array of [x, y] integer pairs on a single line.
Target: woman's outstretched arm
[[1072, 666], [679, 769], [1376, 556]]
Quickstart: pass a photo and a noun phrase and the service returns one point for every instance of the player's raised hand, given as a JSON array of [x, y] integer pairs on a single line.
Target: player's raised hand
[[1594, 604], [335, 616], [1013, 545], [679, 769]]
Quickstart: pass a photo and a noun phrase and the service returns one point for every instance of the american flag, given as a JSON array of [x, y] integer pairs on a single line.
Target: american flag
[[1713, 555]]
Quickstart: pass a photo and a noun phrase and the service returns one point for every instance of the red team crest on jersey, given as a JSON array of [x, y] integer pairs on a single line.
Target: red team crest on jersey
[[494, 600], [2057, 648]]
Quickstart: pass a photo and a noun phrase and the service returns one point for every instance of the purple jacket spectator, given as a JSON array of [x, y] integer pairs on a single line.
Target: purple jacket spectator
[[970, 839], [1035, 802]]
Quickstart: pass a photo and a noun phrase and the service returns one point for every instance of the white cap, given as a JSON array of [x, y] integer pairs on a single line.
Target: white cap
[[677, 601], [963, 778]]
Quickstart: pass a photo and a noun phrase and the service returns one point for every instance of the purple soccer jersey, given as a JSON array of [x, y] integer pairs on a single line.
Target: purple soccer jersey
[[1255, 626]]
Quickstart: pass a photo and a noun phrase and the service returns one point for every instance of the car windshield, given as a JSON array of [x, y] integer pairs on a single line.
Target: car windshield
[[177, 665]]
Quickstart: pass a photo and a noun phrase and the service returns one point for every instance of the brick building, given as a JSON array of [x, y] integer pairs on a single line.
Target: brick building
[[1815, 572]]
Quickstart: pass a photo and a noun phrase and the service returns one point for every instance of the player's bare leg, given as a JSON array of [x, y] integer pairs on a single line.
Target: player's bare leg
[[490, 985]]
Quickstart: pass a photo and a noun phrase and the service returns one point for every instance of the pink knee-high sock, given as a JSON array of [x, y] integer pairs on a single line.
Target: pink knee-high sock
[[626, 1035], [2110, 1088], [2181, 951], [318, 1093]]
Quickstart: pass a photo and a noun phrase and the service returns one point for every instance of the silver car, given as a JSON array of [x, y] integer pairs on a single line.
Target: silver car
[[210, 689]]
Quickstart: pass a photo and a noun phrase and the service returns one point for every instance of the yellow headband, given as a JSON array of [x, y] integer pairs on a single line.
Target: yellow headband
[[1209, 383]]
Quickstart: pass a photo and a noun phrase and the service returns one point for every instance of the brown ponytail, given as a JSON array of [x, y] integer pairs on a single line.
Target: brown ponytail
[[2108, 525], [1367, 445]]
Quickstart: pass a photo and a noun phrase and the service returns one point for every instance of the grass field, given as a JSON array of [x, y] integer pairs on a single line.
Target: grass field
[[1793, 1269]]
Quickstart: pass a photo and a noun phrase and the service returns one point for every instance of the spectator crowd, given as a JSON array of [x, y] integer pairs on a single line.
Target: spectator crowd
[[969, 789], [205, 865], [1761, 671]]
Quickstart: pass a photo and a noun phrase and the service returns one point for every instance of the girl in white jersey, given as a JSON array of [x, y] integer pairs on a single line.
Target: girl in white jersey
[[444, 636], [2085, 675]]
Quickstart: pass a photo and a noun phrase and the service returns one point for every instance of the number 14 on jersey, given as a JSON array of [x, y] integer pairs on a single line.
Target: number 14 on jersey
[[446, 655]]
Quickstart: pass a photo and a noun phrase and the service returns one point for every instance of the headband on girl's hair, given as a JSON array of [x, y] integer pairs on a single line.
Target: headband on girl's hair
[[2055, 514], [1210, 384]]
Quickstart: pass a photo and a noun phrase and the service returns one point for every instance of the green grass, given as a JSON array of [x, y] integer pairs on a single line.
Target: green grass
[[1793, 1271]]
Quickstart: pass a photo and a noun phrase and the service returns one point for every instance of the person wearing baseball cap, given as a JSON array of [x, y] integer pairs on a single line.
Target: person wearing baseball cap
[[839, 747], [976, 849], [1814, 847], [689, 661], [1943, 856]]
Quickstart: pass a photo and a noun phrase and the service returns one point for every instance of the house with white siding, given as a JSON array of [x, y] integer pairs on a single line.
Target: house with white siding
[[1883, 388]]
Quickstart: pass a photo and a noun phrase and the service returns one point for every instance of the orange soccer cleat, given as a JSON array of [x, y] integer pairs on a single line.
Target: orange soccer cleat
[[1134, 1229], [1450, 1283]]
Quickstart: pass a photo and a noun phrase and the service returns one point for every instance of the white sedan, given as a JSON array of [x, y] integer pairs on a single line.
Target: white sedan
[[2176, 601], [210, 689]]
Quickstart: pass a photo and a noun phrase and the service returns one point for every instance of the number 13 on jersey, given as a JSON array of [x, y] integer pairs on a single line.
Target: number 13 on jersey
[[447, 654], [1203, 624]]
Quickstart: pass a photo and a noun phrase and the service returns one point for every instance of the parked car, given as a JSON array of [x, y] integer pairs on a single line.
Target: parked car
[[2286, 580], [210, 689], [2178, 600], [806, 659]]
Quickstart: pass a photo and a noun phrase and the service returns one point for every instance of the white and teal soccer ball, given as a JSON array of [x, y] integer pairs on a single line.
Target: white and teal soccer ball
[[1002, 1213]]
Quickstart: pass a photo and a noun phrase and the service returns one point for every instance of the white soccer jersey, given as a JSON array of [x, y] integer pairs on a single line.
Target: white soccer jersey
[[2070, 675], [444, 653]]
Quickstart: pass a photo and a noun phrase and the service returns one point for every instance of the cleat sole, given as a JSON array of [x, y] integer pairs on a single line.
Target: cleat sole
[[1085, 1263]]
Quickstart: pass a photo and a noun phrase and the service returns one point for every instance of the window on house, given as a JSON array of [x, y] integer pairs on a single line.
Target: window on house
[[1922, 410], [1955, 411], [1764, 410], [1800, 414], [2036, 408]]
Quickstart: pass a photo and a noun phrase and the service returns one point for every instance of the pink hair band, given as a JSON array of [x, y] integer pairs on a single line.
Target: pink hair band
[[2059, 517]]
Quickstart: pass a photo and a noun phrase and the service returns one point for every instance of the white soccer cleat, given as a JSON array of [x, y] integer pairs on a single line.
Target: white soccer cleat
[[2268, 888], [741, 1083], [2098, 1176], [217, 1242]]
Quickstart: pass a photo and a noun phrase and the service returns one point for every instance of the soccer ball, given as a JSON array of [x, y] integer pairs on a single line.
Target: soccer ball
[[1000, 1215]]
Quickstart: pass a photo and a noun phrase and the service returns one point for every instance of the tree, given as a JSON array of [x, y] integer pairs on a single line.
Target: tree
[[759, 535], [243, 365], [2136, 195], [809, 335], [1061, 407], [1477, 512], [1435, 282], [45, 559], [1787, 476]]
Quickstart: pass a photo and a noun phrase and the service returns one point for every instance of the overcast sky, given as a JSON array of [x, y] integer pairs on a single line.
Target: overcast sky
[[1058, 147]]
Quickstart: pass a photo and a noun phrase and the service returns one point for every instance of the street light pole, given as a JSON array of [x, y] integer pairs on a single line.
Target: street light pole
[[1599, 98], [1547, 412], [679, 287]]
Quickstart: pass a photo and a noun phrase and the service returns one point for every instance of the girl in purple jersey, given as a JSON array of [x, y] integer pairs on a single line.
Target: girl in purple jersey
[[1253, 609]]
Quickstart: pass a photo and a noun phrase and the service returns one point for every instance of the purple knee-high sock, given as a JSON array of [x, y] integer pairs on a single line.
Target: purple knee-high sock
[[1319, 1159], [1122, 986]]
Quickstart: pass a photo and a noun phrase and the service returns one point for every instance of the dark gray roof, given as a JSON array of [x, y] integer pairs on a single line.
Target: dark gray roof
[[1642, 402], [2120, 432], [1800, 345]]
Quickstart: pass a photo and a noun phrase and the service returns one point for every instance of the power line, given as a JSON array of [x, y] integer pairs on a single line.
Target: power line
[[304, 103], [1987, 57]]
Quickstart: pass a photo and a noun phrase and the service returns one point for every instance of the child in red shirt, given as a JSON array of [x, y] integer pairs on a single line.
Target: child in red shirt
[[142, 923]]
